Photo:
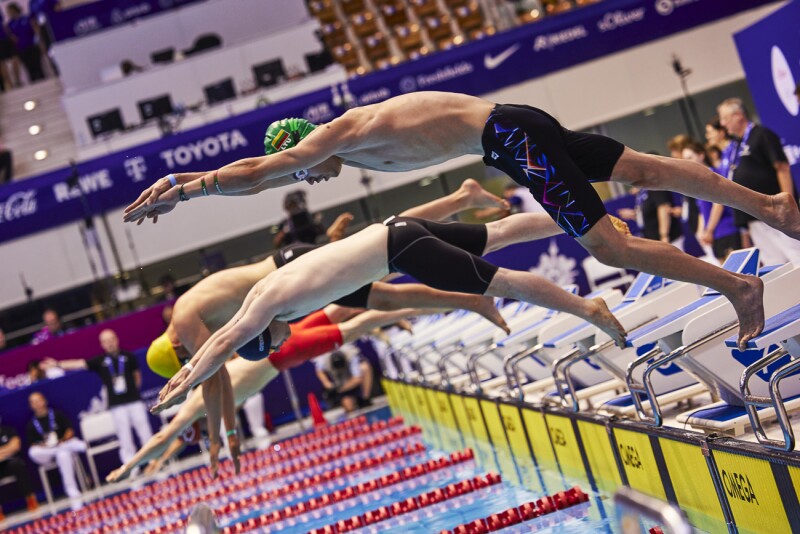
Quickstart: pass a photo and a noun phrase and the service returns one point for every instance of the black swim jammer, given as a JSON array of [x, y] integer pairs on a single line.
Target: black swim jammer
[[356, 299], [557, 165], [444, 256]]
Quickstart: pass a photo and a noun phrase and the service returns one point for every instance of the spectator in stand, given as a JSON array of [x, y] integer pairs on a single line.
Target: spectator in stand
[[120, 374], [688, 211], [37, 372], [714, 155], [345, 377], [23, 33], [9, 64], [42, 12], [51, 437], [166, 314], [654, 213], [6, 162], [52, 327], [169, 288], [755, 159], [716, 231], [717, 137], [300, 225], [12, 465]]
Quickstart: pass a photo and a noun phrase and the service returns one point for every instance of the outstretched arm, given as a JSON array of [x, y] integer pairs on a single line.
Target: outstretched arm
[[174, 448], [255, 315], [188, 413], [218, 399], [246, 176]]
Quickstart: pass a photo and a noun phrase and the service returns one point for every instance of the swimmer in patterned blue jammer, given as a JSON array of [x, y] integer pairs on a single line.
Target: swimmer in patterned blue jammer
[[557, 165]]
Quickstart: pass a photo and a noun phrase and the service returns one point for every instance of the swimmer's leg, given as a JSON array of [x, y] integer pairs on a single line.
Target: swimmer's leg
[[745, 292], [529, 287], [385, 296], [469, 195], [445, 266], [656, 172]]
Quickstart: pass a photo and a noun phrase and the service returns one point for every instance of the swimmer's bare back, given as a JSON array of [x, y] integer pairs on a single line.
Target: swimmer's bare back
[[411, 131]]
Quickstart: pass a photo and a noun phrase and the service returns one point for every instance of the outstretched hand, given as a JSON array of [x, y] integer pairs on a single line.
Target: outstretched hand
[[214, 446], [158, 199], [236, 451], [174, 392]]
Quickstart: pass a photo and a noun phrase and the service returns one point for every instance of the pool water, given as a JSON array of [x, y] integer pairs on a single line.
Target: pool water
[[308, 483]]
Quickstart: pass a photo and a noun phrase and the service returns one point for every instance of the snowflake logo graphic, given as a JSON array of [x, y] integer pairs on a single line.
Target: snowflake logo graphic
[[556, 267]]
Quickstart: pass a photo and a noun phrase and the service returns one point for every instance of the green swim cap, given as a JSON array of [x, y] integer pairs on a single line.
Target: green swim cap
[[286, 133]]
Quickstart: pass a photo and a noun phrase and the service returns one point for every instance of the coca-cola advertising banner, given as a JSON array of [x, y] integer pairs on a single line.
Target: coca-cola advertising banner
[[476, 68]]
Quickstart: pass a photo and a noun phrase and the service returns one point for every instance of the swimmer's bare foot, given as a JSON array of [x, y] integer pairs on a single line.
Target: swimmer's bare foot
[[786, 215], [601, 316], [485, 306], [477, 197], [749, 305], [335, 231]]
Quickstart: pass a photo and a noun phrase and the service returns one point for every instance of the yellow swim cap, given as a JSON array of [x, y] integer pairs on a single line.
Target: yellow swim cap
[[162, 358]]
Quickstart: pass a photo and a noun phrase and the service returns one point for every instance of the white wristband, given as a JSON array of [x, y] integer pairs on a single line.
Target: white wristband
[[188, 366], [172, 180]]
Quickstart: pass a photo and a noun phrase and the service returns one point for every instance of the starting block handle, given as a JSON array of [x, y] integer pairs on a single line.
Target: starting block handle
[[753, 402], [563, 379], [638, 390], [510, 366], [472, 368]]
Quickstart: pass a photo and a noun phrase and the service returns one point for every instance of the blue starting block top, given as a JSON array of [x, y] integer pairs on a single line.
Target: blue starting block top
[[743, 261], [725, 412], [773, 324], [674, 316], [642, 285]]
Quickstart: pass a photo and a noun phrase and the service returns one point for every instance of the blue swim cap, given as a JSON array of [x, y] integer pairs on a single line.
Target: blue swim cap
[[257, 348]]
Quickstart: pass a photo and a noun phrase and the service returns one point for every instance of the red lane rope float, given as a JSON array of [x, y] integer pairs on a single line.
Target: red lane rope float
[[350, 492], [293, 488], [525, 512], [451, 491], [130, 503]]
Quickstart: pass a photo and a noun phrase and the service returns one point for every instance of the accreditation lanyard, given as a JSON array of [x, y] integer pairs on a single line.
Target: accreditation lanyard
[[734, 154], [118, 379], [120, 365], [52, 419]]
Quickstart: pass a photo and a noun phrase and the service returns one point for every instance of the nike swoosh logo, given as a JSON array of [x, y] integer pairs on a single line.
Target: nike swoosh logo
[[492, 63]]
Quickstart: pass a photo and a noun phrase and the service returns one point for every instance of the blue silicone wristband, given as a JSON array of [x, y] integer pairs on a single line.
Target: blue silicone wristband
[[172, 180]]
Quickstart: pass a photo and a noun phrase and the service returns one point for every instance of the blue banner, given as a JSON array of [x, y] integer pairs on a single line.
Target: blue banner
[[770, 54], [479, 67], [97, 16]]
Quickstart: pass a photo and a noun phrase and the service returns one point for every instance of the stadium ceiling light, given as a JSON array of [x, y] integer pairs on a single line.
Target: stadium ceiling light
[[29, 105], [39, 155], [34, 129]]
